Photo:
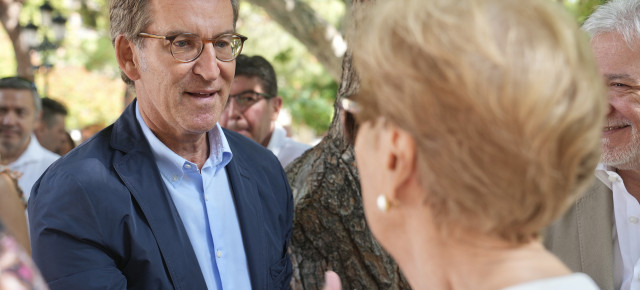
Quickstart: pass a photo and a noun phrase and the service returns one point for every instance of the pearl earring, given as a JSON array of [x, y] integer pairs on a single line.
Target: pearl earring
[[383, 203]]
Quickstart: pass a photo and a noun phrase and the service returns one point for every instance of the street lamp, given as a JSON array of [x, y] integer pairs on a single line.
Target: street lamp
[[50, 26]]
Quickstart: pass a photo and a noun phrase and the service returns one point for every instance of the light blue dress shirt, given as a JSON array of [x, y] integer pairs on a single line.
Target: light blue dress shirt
[[205, 204]]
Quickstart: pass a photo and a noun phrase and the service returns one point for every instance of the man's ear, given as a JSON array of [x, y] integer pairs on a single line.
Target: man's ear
[[125, 55], [276, 103]]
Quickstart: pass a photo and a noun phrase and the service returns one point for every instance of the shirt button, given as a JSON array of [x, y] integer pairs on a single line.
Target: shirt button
[[633, 220], [187, 166], [613, 178], [219, 254], [206, 197], [174, 178]]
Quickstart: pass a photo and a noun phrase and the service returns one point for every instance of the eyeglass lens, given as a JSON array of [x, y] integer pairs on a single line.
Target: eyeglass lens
[[186, 47], [246, 99]]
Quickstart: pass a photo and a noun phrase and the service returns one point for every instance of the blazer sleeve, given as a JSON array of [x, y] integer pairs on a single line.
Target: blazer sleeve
[[67, 236]]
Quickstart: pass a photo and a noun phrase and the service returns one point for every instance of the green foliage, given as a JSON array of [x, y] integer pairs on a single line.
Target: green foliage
[[581, 9], [7, 56]]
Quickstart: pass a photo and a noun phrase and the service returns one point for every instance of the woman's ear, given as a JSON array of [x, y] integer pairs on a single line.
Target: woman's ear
[[125, 57], [400, 161]]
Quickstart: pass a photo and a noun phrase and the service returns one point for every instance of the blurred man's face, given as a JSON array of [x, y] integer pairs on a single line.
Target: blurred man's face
[[54, 136], [256, 121], [620, 66], [19, 119]]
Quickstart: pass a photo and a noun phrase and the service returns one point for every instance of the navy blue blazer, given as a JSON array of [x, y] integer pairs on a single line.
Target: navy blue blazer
[[101, 217]]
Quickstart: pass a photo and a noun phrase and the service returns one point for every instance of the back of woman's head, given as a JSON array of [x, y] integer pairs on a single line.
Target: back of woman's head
[[502, 97]]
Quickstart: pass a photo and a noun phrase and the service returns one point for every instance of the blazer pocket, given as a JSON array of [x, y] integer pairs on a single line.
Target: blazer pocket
[[280, 273]]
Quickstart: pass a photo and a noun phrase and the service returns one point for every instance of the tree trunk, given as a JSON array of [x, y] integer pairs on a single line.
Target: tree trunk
[[329, 227], [9, 16], [322, 40]]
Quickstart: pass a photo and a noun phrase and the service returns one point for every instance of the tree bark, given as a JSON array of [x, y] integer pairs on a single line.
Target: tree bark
[[322, 40], [9, 16], [329, 227]]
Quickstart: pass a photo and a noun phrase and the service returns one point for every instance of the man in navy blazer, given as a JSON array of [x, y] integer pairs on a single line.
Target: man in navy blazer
[[164, 198]]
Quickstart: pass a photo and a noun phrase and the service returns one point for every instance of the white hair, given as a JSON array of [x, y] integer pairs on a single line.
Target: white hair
[[621, 16]]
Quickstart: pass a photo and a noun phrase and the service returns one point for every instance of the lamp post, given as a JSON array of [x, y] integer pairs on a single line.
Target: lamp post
[[50, 28]]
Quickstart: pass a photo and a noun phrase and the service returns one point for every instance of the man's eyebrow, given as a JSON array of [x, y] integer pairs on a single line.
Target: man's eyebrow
[[624, 77], [231, 31], [176, 32]]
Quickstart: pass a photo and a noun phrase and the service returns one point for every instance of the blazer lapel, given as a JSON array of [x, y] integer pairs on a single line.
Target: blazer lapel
[[137, 168], [595, 225], [247, 201]]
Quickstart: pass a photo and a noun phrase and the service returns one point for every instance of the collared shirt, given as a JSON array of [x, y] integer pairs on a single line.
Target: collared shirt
[[31, 164], [205, 204], [285, 148], [626, 233]]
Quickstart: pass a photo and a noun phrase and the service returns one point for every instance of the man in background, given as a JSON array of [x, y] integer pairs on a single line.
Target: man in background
[[600, 234], [254, 106], [20, 113], [51, 132]]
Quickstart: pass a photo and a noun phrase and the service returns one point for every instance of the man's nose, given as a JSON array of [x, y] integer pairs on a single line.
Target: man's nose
[[9, 118], [611, 102], [207, 65]]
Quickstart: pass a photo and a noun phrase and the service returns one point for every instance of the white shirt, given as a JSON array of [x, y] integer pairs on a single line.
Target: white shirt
[[285, 148], [568, 282], [626, 234], [31, 164]]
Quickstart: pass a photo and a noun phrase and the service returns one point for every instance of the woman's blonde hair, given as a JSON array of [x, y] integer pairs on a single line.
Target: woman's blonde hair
[[502, 97]]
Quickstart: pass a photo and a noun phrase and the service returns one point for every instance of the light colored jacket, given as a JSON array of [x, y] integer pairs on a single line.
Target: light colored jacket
[[582, 237]]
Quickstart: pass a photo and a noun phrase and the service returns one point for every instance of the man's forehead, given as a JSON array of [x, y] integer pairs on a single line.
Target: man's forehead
[[20, 96], [247, 82], [613, 40], [204, 17]]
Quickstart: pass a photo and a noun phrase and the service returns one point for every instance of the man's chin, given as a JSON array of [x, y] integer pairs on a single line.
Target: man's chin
[[244, 133], [621, 159]]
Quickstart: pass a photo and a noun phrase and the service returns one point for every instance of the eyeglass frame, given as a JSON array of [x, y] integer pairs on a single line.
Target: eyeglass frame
[[242, 109], [204, 41]]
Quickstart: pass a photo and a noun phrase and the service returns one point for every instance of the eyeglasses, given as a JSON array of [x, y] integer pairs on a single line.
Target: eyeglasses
[[246, 99], [187, 47], [347, 117]]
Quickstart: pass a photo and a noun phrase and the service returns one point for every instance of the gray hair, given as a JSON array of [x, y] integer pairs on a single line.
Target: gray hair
[[19, 83], [621, 16]]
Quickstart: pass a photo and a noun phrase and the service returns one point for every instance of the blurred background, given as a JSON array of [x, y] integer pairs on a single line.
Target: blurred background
[[64, 45]]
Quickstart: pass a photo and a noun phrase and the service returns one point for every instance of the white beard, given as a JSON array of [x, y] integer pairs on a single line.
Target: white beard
[[625, 157]]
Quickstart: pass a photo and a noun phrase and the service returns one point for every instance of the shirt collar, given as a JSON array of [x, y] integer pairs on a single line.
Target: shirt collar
[[606, 174], [278, 137], [31, 154], [171, 164]]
